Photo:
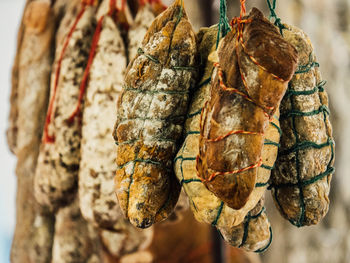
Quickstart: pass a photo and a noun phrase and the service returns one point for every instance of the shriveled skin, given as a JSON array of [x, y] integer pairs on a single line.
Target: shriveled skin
[[204, 204], [138, 29], [234, 159], [57, 171], [75, 240], [254, 234], [98, 202], [304, 168], [33, 235], [151, 112], [126, 239]]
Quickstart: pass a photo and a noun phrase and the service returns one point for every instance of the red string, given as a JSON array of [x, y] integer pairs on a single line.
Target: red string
[[95, 39], [84, 81], [112, 7], [46, 137]]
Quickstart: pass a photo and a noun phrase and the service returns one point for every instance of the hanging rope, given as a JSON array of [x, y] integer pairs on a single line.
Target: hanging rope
[[224, 26], [273, 15]]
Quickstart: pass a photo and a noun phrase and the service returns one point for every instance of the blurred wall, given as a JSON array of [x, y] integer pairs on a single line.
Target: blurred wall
[[10, 14]]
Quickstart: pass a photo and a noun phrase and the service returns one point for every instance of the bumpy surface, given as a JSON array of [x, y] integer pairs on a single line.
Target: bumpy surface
[[32, 240], [204, 204], [254, 68], [254, 234], [98, 202], [301, 180], [127, 239], [75, 241], [138, 30], [58, 164], [151, 112]]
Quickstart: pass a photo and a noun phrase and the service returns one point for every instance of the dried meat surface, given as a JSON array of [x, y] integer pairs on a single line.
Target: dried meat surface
[[98, 202], [253, 70], [304, 168], [57, 171], [151, 112]]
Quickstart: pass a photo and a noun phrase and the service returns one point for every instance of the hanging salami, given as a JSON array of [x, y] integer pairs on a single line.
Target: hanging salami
[[151, 112]]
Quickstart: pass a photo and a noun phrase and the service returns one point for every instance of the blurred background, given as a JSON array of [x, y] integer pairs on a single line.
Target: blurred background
[[328, 25], [10, 16]]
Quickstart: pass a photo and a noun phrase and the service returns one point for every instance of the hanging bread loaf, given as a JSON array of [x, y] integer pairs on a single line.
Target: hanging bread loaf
[[255, 65], [98, 202], [58, 164], [151, 113], [304, 168]]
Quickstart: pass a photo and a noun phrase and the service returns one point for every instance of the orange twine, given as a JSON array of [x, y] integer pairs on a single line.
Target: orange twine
[[213, 175], [240, 24]]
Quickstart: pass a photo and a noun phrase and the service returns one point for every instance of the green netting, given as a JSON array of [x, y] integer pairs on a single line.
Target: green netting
[[152, 92], [273, 15], [293, 114], [223, 29], [303, 145]]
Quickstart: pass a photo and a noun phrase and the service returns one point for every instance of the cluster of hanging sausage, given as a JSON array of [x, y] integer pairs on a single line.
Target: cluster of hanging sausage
[[247, 83], [223, 117]]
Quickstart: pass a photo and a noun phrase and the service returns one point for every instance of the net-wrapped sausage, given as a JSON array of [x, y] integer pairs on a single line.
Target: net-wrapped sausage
[[253, 70], [304, 168], [151, 112]]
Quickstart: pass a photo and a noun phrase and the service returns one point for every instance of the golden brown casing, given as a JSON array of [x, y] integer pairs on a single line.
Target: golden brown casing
[[151, 113], [304, 168], [229, 110]]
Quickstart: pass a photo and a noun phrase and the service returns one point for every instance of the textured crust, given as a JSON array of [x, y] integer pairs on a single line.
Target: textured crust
[[137, 31], [126, 240], [254, 234], [151, 113], [301, 180], [205, 205], [75, 241], [11, 132], [58, 164], [32, 241], [98, 201], [234, 158]]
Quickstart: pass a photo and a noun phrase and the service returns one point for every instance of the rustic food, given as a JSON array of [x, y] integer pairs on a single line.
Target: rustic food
[[151, 112], [126, 239], [33, 235], [58, 164], [235, 225], [98, 202], [75, 240], [304, 168], [254, 234], [138, 29], [255, 65]]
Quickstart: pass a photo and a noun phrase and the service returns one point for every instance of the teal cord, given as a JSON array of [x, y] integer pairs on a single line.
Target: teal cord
[[273, 15], [224, 25]]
